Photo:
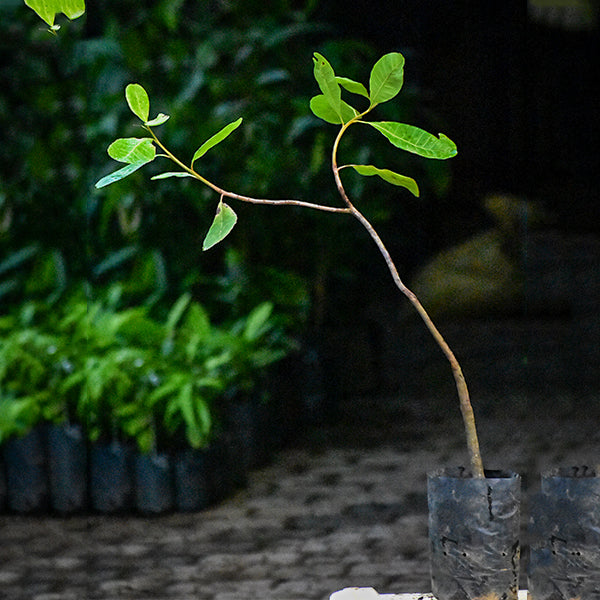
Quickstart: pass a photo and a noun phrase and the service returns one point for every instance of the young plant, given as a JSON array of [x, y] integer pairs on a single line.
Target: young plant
[[385, 82]]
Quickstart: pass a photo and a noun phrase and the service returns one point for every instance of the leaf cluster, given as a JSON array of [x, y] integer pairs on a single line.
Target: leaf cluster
[[385, 82], [123, 373]]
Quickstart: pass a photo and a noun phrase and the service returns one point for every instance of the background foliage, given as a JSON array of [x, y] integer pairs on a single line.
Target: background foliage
[[204, 63]]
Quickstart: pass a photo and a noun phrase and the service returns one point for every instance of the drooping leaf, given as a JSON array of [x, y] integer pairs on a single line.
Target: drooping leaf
[[138, 101], [172, 174], [132, 150], [158, 120], [387, 77], [328, 85], [120, 174], [390, 176], [416, 140], [48, 9], [322, 108], [223, 223], [216, 139], [354, 87]]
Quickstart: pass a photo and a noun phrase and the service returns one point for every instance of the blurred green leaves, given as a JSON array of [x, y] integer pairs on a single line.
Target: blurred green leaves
[[204, 65]]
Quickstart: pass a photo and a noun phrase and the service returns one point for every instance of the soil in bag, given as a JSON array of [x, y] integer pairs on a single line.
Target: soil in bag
[[67, 453], [111, 484], [26, 473], [153, 483], [192, 491]]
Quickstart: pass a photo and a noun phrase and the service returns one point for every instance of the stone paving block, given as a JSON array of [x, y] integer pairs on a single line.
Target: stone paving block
[[56, 596], [312, 522]]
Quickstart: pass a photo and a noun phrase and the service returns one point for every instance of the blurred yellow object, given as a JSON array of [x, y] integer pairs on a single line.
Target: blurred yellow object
[[482, 275]]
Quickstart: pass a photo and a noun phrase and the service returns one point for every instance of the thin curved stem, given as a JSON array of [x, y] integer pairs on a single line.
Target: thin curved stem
[[461, 386], [466, 407], [240, 197]]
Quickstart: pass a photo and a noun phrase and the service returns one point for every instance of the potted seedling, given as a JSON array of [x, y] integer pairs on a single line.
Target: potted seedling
[[474, 514], [183, 387], [102, 385], [25, 406], [244, 350]]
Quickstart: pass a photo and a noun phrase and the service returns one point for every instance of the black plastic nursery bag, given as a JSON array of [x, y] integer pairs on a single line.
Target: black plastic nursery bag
[[474, 535], [564, 529]]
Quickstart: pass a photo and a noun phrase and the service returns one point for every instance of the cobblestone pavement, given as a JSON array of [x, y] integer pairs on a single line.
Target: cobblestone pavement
[[345, 507]]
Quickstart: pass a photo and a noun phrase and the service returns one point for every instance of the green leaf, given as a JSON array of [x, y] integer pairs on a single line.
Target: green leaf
[[322, 108], [198, 321], [132, 150], [120, 174], [48, 9], [390, 176], [204, 417], [224, 222], [158, 120], [328, 85], [415, 140], [177, 311], [387, 77], [172, 174], [216, 139], [138, 101], [354, 87], [257, 320]]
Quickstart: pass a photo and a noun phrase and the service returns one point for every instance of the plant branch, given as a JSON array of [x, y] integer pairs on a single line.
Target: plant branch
[[240, 197], [461, 386]]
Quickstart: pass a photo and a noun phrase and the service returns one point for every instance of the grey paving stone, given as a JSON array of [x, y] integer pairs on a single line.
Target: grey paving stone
[[337, 511]]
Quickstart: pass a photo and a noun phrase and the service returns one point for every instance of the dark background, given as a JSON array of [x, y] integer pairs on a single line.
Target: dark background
[[519, 94]]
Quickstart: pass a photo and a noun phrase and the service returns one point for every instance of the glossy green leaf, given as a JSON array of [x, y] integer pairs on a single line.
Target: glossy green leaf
[[354, 87], [172, 174], [416, 140], [387, 77], [328, 85], [158, 120], [223, 223], [120, 174], [322, 108], [132, 150], [48, 9], [216, 139], [390, 176], [138, 101]]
